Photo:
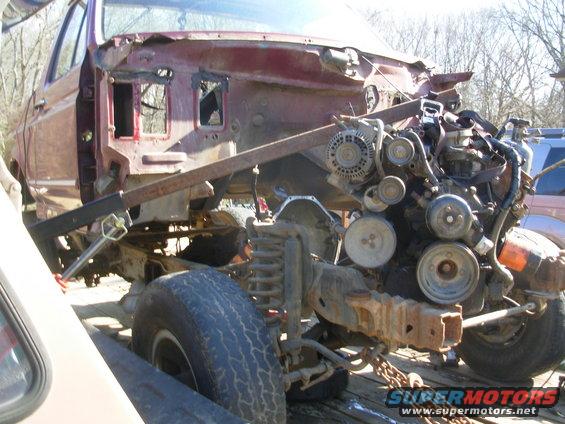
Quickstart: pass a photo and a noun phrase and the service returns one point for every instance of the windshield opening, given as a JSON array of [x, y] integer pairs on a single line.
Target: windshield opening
[[309, 18]]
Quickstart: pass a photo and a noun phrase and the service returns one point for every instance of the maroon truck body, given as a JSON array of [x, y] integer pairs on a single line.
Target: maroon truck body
[[430, 194], [271, 86]]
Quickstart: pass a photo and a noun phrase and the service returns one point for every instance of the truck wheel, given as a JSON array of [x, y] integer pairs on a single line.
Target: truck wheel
[[201, 328], [234, 216], [219, 250], [520, 352]]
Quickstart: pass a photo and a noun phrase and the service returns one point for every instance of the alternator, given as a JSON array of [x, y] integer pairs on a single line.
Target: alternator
[[350, 155]]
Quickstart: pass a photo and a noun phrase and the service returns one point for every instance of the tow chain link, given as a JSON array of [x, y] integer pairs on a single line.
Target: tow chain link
[[396, 379]]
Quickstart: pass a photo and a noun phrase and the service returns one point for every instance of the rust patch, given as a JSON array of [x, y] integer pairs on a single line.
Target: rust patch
[[399, 321]]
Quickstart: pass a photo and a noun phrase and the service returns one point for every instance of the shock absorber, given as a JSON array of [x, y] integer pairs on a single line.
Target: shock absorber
[[281, 263], [266, 285]]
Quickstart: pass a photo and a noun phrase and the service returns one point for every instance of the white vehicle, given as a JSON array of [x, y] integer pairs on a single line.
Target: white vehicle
[[48, 364]]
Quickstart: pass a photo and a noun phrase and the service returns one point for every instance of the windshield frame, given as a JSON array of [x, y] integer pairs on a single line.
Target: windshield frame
[[96, 35]]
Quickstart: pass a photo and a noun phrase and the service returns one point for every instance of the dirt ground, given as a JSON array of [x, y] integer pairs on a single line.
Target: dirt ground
[[362, 402]]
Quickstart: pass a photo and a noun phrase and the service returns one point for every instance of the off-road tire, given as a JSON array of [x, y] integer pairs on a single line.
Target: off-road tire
[[219, 249], [540, 347], [235, 216], [224, 337]]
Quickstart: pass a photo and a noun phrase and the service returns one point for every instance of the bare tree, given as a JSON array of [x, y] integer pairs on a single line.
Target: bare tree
[[544, 22], [510, 61], [25, 50]]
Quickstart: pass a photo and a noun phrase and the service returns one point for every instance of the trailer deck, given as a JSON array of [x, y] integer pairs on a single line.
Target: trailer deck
[[362, 402]]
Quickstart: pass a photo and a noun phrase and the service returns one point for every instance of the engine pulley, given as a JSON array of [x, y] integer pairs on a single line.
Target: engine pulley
[[390, 191], [449, 217], [350, 155], [400, 151], [370, 241], [447, 272]]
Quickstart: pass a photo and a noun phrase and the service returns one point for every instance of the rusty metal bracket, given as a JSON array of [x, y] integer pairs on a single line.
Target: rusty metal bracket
[[341, 296], [399, 321]]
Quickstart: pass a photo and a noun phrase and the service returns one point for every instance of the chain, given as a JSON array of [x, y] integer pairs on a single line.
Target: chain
[[396, 379]]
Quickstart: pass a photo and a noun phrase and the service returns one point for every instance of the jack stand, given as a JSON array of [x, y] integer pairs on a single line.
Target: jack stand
[[451, 359], [448, 359]]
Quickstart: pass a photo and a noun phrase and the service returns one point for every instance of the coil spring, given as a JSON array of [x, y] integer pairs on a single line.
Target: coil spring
[[266, 283]]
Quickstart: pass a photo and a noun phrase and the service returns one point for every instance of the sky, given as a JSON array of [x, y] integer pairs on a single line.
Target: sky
[[423, 6]]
